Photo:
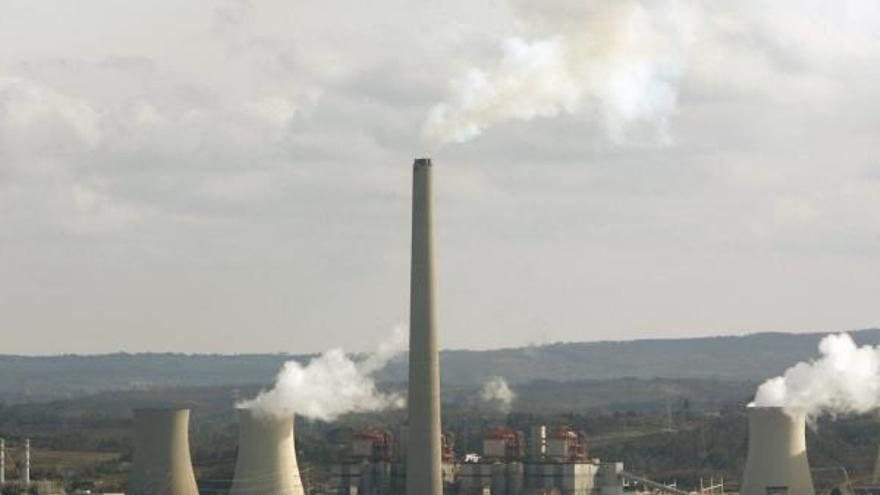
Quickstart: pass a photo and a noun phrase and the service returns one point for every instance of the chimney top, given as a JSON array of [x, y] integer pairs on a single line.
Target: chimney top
[[422, 162]]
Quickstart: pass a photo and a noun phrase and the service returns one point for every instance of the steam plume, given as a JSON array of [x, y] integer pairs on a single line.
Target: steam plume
[[332, 384], [620, 59], [496, 391], [844, 379]]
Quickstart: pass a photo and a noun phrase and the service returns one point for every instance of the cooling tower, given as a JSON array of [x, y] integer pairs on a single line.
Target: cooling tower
[[777, 455], [423, 476], [162, 464], [266, 463]]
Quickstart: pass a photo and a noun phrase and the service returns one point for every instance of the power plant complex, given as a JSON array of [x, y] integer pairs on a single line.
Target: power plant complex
[[419, 459]]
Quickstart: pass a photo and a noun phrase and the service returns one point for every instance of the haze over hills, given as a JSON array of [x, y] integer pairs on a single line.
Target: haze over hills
[[747, 358]]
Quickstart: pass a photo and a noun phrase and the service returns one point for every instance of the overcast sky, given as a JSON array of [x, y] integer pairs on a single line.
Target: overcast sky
[[234, 176]]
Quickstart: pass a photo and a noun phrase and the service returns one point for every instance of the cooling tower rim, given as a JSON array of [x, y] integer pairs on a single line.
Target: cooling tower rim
[[775, 410]]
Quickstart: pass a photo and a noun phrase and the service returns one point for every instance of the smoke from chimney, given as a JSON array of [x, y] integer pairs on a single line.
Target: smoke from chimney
[[497, 393], [331, 384], [844, 379], [618, 59]]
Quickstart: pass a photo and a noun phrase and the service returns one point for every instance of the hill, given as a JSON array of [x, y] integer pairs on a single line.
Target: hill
[[751, 357]]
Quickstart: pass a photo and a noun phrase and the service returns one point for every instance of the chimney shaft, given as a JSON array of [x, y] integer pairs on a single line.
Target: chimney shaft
[[27, 461], [423, 468], [777, 455], [2, 461]]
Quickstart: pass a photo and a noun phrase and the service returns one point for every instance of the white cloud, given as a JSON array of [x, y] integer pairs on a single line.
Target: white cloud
[[246, 164]]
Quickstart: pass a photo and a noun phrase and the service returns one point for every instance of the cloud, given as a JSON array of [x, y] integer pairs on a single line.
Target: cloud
[[623, 62], [644, 152]]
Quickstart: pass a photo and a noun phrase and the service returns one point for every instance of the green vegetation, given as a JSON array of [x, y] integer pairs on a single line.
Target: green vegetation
[[747, 358], [670, 430]]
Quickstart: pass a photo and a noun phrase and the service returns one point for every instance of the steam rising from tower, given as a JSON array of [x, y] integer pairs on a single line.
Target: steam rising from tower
[[497, 392], [266, 463], [777, 456], [844, 379], [423, 459], [162, 464]]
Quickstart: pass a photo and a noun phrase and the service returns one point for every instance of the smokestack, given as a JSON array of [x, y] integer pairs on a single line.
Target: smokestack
[[777, 455], [266, 463], [27, 461], [2, 461], [162, 464], [423, 459]]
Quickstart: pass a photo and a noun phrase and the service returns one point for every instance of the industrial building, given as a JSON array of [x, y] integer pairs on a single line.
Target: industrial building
[[508, 466], [556, 463]]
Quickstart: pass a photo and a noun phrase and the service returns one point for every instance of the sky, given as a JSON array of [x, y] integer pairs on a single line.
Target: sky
[[234, 176]]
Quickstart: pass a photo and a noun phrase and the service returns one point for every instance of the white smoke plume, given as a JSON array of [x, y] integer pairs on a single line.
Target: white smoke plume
[[332, 384], [618, 59], [845, 379], [496, 391]]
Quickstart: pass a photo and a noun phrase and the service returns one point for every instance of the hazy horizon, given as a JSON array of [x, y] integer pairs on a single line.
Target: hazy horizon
[[232, 176], [315, 352]]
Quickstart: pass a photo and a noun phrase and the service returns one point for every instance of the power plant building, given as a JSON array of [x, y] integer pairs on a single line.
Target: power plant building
[[506, 468]]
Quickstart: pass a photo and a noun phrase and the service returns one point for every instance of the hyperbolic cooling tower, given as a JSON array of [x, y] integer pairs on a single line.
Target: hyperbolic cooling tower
[[266, 463], [423, 476], [162, 464], [777, 457]]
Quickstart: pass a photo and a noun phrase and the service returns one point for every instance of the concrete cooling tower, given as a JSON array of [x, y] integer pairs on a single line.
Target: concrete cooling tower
[[266, 463], [162, 464], [423, 475], [777, 456]]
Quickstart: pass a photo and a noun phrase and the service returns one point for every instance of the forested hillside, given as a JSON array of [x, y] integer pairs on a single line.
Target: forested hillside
[[732, 358]]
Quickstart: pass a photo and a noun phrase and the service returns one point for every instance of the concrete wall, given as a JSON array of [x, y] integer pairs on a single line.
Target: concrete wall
[[266, 463], [162, 463], [777, 455]]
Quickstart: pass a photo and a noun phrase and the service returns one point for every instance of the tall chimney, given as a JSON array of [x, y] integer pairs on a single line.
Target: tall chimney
[[162, 463], [2, 462], [423, 469], [777, 457], [266, 463], [27, 461]]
